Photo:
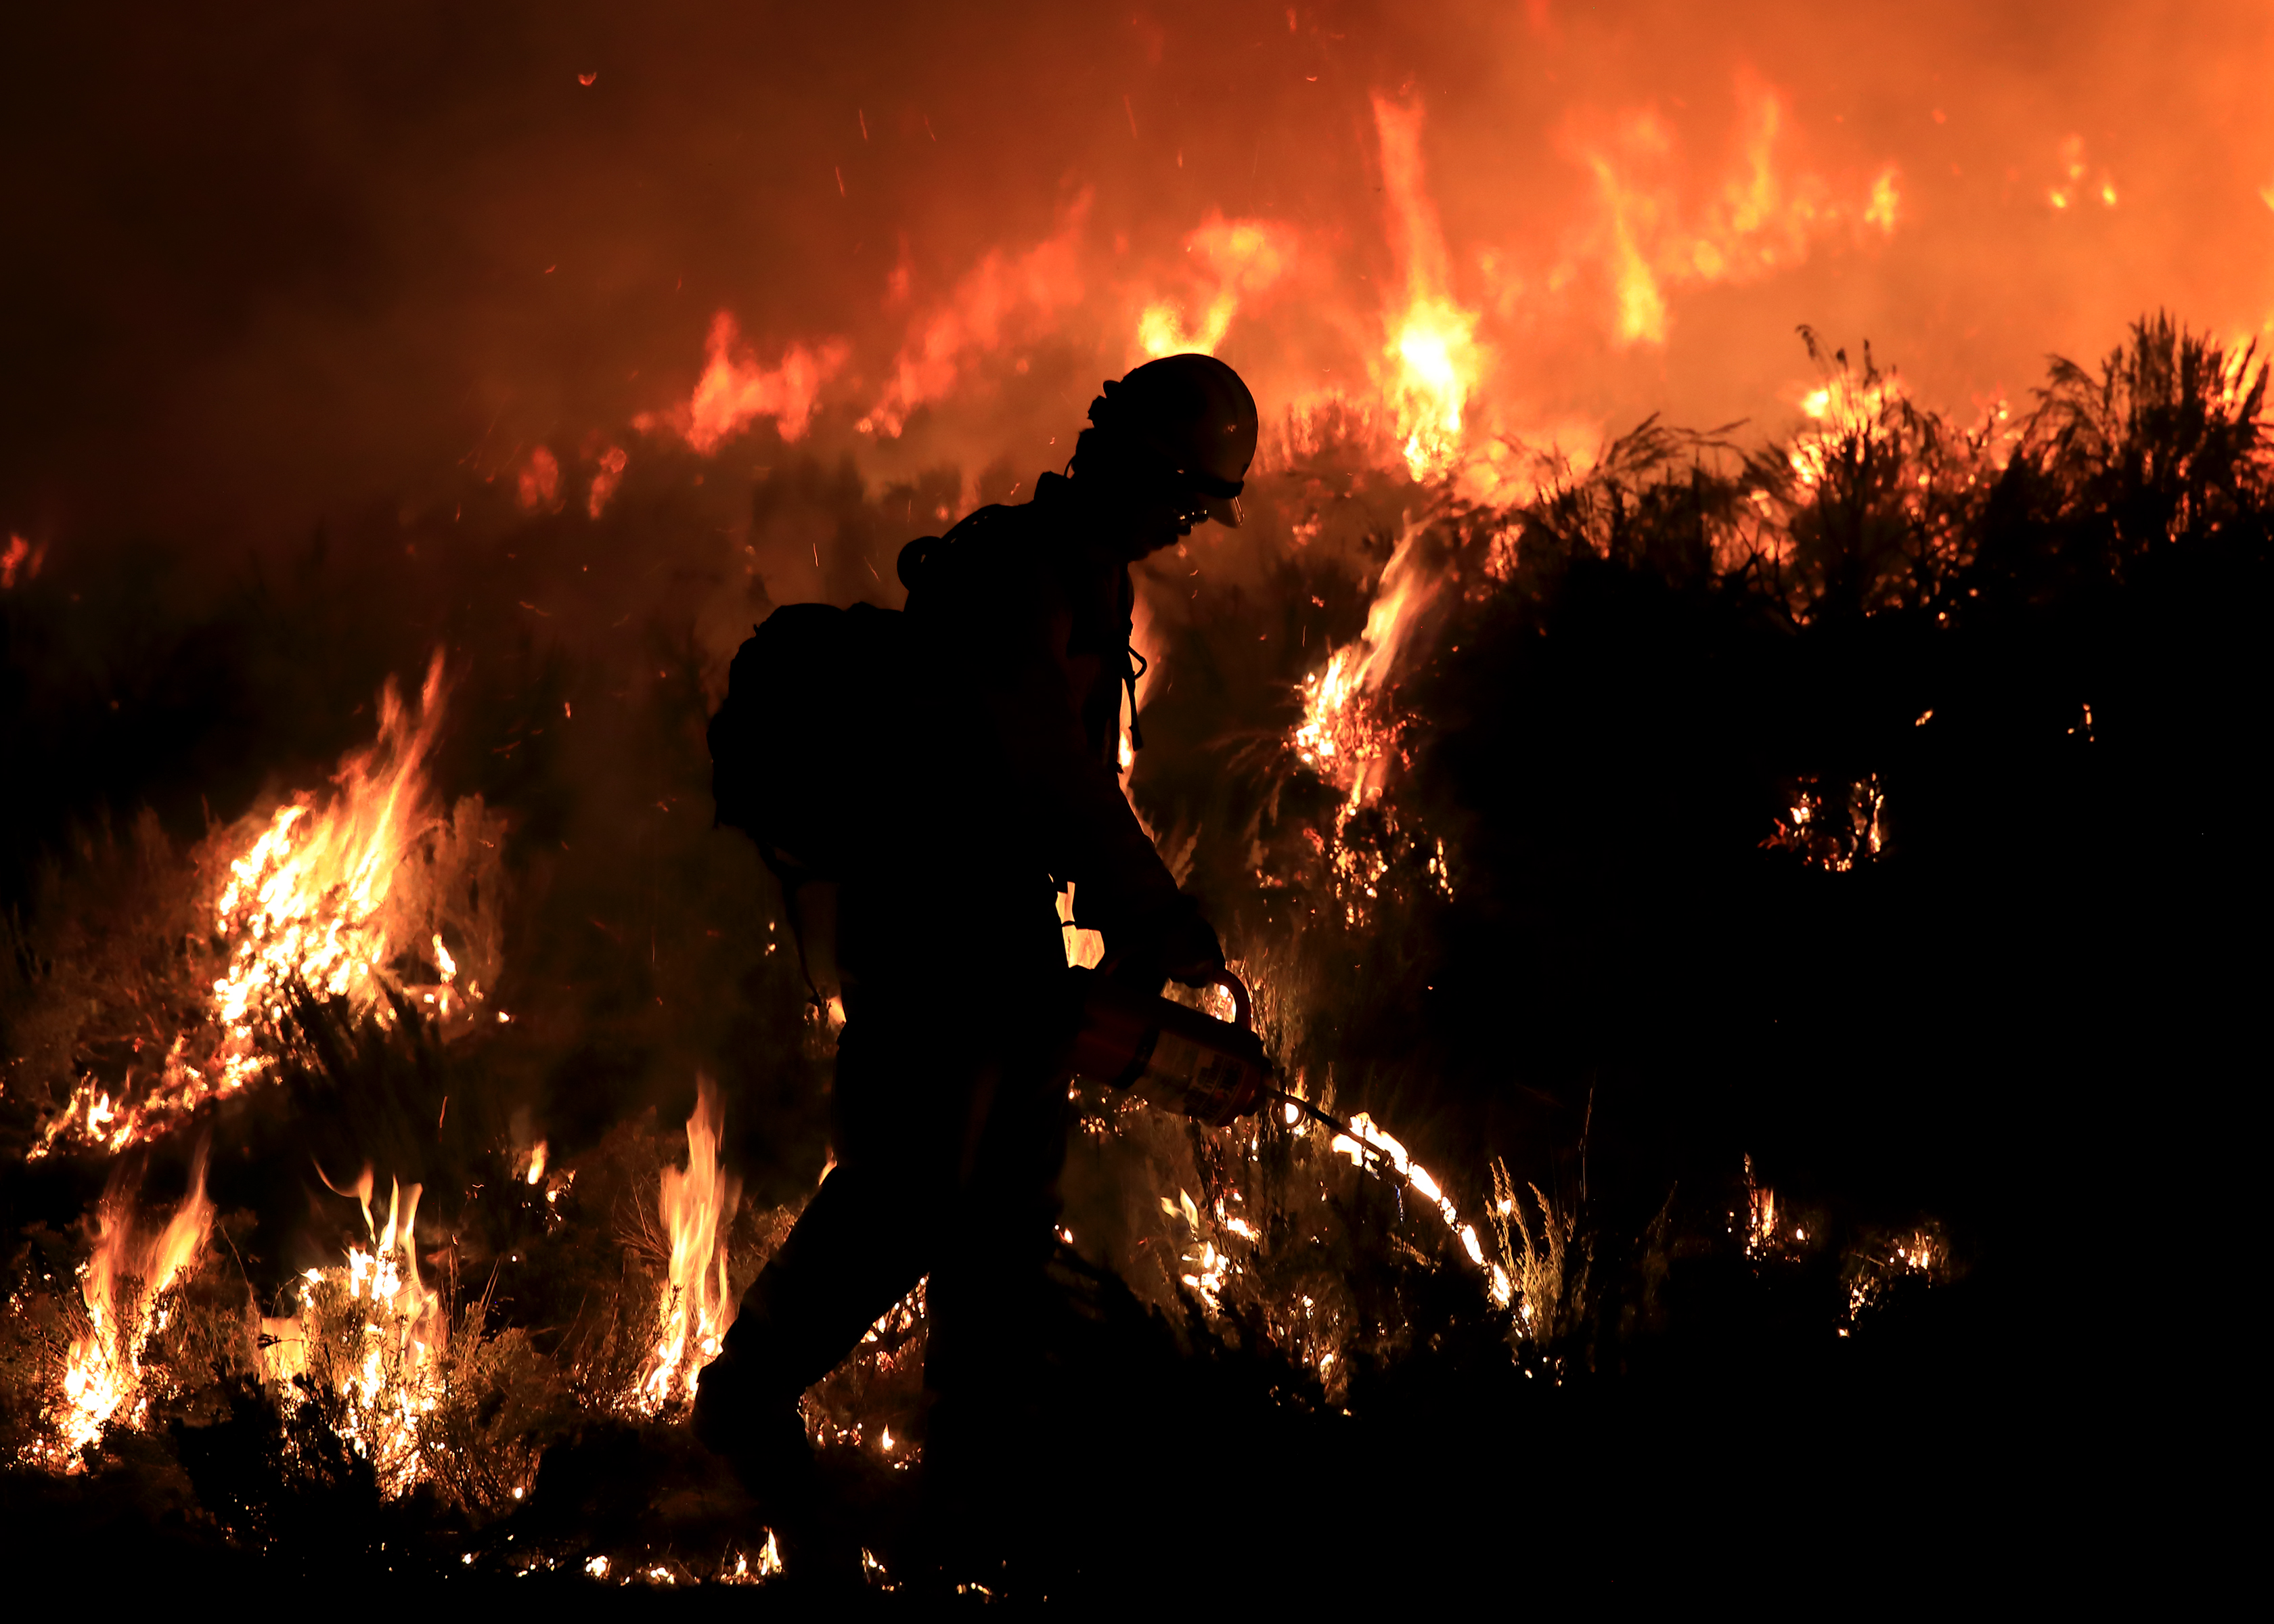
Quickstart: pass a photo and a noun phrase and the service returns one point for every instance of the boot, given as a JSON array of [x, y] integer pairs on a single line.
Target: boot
[[760, 1436]]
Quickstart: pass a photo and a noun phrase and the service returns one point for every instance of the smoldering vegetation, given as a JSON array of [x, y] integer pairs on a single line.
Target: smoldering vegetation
[[1793, 914]]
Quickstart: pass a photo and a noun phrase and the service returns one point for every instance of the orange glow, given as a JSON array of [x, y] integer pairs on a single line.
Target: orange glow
[[605, 483], [541, 482], [1001, 299], [1763, 216], [20, 558], [735, 391], [1235, 262]]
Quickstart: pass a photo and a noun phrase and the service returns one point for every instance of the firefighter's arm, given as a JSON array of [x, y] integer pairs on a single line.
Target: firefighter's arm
[[1082, 820], [1068, 802]]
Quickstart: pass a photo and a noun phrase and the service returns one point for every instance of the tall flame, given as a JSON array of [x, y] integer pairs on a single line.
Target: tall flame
[[696, 1207], [1432, 346], [308, 900], [121, 1286]]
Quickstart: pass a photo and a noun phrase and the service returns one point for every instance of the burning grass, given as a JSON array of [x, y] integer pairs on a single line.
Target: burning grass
[[1527, 871]]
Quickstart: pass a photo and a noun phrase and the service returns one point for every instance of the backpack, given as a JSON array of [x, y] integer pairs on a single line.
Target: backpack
[[801, 747]]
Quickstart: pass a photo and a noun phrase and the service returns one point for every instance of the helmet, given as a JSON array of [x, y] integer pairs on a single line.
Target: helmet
[[1191, 415]]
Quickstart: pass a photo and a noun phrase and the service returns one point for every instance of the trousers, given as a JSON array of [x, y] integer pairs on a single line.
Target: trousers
[[949, 1118]]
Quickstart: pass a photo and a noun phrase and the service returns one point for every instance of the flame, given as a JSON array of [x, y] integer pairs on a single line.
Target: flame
[[696, 1207], [1373, 1143], [121, 1286], [1432, 337], [1343, 735], [1240, 261], [308, 901], [1767, 1234], [733, 391], [1760, 1216], [1842, 409], [1885, 200], [1761, 218], [1029, 289], [374, 1331], [613, 461], [2073, 187]]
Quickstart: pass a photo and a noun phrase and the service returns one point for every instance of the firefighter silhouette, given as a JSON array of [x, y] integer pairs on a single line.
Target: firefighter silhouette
[[997, 784]]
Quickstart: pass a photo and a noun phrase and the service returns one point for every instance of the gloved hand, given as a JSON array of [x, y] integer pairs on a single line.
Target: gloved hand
[[1174, 943]]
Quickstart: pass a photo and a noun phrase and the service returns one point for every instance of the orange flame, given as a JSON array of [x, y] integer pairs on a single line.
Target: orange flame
[[121, 1286], [1343, 736], [383, 1330], [1432, 337], [318, 896], [733, 391], [1761, 218], [1843, 409], [1240, 261], [1029, 289], [309, 899], [698, 1207]]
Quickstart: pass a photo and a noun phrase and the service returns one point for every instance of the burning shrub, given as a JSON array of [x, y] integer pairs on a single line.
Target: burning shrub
[[339, 896]]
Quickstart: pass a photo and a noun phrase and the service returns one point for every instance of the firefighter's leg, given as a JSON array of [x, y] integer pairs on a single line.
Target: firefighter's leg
[[992, 1373], [861, 1244], [989, 1296]]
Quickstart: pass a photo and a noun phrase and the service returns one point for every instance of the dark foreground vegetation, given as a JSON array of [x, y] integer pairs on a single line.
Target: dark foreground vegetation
[[1869, 817]]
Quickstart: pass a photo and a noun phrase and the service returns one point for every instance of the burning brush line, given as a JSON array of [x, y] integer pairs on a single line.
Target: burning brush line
[[307, 911], [1877, 505]]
